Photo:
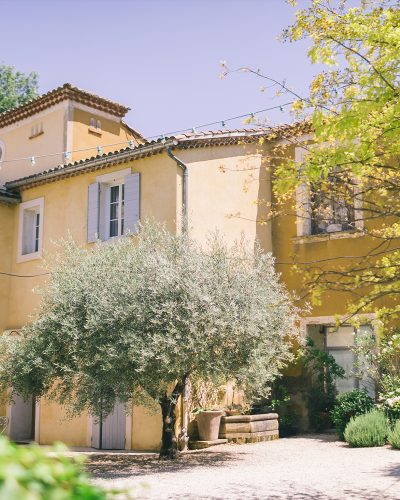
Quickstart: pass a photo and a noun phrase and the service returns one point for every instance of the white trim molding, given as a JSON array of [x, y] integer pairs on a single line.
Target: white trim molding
[[332, 320], [38, 204]]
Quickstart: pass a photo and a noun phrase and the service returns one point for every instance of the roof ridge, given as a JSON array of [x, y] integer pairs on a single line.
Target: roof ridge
[[155, 146]]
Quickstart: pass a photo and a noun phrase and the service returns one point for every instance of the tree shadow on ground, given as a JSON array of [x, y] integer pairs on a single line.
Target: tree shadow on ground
[[290, 491], [393, 470], [113, 466], [328, 437]]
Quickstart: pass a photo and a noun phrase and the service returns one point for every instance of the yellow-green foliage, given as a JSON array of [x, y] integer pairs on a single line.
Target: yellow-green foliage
[[394, 436], [30, 473], [367, 430], [354, 109]]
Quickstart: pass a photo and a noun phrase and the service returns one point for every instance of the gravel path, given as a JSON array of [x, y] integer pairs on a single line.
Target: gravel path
[[305, 467]]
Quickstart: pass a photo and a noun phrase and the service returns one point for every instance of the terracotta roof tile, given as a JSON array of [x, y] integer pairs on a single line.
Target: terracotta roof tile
[[149, 148]]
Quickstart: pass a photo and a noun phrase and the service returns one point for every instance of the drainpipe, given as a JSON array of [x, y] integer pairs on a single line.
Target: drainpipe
[[184, 169], [183, 437]]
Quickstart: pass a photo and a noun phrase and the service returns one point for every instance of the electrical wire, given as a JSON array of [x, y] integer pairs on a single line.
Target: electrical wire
[[147, 139]]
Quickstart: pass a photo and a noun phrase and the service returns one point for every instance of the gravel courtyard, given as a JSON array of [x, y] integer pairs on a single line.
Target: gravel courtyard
[[305, 467]]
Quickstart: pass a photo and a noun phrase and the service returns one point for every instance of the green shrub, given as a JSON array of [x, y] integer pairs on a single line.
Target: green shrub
[[29, 472], [394, 436], [348, 405], [367, 430]]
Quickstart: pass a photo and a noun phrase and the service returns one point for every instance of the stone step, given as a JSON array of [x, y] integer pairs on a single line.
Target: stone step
[[199, 445]]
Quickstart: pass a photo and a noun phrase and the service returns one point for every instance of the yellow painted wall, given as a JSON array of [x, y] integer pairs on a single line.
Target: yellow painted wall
[[65, 211], [309, 250], [224, 185], [55, 425], [19, 145], [146, 429], [6, 242], [112, 132]]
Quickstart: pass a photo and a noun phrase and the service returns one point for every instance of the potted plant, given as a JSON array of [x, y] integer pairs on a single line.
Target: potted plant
[[234, 409], [208, 421]]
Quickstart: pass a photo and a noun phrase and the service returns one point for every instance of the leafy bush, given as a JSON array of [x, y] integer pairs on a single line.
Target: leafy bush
[[367, 430], [31, 473], [389, 396], [394, 435], [348, 405]]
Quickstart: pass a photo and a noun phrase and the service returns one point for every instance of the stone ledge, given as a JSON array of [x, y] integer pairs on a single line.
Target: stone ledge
[[253, 439], [199, 445], [250, 418]]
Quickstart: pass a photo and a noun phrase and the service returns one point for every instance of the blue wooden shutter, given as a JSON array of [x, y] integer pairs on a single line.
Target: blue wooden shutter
[[132, 203], [93, 212]]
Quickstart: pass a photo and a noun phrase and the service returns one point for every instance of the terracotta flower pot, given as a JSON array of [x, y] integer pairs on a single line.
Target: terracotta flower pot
[[208, 424]]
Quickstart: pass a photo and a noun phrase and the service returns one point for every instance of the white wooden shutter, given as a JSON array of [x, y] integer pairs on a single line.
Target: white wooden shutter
[[303, 204], [132, 203], [93, 212]]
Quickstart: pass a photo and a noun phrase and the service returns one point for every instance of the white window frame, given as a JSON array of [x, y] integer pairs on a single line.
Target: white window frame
[[107, 181], [303, 206], [37, 206], [107, 221]]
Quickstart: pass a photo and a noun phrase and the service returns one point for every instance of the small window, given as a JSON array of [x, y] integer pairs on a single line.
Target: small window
[[98, 125], [30, 229], [91, 123]]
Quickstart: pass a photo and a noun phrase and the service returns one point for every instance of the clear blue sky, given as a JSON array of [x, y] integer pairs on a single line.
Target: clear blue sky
[[159, 57]]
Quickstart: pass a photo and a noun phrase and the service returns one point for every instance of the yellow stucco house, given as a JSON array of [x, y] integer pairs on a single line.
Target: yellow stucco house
[[67, 157]]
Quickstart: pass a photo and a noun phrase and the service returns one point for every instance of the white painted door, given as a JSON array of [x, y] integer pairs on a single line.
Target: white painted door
[[22, 419], [114, 428]]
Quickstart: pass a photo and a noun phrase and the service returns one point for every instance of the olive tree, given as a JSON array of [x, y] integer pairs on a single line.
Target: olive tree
[[133, 320]]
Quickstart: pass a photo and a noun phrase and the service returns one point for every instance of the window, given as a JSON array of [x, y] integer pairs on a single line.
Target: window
[[330, 205], [30, 230], [339, 343], [116, 210], [91, 123], [98, 125], [113, 205]]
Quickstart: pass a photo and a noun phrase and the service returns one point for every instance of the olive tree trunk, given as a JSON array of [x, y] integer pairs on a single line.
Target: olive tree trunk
[[169, 446]]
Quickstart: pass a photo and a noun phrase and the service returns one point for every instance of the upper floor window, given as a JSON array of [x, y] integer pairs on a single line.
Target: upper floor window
[[113, 205], [333, 204], [98, 125], [91, 123], [30, 230], [115, 220]]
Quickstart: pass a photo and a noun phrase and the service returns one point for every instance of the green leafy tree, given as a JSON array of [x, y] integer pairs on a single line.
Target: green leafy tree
[[355, 116], [132, 321], [351, 166], [16, 88]]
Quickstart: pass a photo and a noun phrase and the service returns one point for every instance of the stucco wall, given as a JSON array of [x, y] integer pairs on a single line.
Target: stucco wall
[[6, 244], [55, 425], [19, 145], [224, 186], [112, 132]]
